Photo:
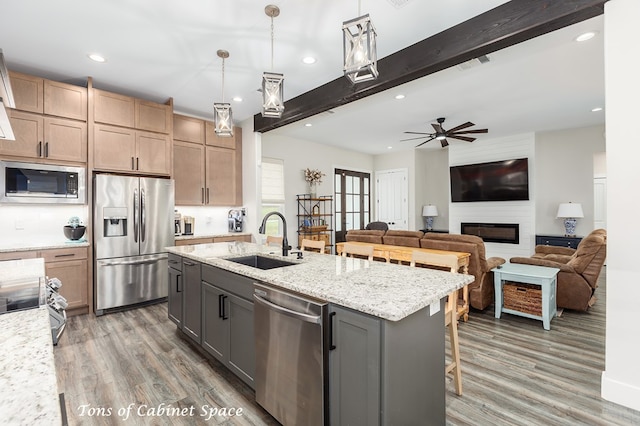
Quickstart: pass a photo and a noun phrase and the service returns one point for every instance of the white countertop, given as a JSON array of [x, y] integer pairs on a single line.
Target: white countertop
[[28, 384], [387, 291], [228, 234], [39, 244]]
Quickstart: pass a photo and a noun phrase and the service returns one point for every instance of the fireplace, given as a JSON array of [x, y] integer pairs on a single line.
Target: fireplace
[[508, 233]]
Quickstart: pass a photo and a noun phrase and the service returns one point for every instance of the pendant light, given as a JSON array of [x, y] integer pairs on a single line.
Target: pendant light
[[223, 116], [360, 57], [272, 83]]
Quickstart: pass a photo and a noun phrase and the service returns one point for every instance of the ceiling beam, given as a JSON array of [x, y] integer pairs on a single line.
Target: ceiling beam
[[506, 25]]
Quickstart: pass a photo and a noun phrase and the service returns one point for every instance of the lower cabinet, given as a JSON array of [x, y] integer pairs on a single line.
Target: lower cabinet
[[191, 299], [227, 321], [386, 372], [174, 298]]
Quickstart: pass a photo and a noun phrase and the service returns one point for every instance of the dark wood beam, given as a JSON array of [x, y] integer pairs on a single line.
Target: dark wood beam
[[506, 25]]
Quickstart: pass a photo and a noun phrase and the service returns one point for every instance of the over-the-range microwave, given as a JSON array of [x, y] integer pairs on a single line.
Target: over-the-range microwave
[[41, 183]]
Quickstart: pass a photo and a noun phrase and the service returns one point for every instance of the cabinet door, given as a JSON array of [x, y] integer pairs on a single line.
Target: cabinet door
[[111, 108], [65, 100], [215, 335], [354, 368], [188, 173], [152, 116], [153, 153], [241, 355], [192, 307], [73, 275], [114, 148], [28, 92], [220, 176], [65, 140], [29, 133], [188, 129], [174, 299]]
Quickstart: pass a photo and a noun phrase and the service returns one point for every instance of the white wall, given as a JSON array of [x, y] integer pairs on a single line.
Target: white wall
[[40, 224], [432, 186], [300, 154], [564, 173], [520, 212], [621, 378]]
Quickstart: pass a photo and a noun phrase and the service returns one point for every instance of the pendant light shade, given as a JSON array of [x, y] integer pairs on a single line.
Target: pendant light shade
[[222, 114], [272, 83], [360, 57]]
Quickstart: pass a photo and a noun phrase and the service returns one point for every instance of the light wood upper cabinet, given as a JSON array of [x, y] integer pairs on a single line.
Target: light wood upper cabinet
[[127, 150], [152, 116], [188, 129], [188, 173], [39, 95], [112, 108], [215, 140], [220, 176], [46, 138]]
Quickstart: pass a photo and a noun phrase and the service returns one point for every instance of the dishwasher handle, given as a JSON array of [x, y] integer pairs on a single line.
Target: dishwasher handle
[[314, 319]]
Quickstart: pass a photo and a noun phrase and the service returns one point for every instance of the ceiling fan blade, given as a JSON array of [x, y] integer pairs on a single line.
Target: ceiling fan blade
[[428, 140], [462, 138], [444, 143], [413, 139], [418, 133], [462, 126], [437, 127], [469, 131]]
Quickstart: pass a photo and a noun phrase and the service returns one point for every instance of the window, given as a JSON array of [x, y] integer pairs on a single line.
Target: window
[[272, 193]]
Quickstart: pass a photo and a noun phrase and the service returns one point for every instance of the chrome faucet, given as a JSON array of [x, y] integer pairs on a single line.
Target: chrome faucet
[[285, 244]]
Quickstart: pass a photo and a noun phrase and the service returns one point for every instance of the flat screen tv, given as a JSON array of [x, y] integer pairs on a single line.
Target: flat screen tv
[[506, 180]]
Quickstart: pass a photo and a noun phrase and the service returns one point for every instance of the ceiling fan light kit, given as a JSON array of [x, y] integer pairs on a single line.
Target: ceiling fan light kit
[[359, 53], [441, 134], [222, 114], [272, 83]]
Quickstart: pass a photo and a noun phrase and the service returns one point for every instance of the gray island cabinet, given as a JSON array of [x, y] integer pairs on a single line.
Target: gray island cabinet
[[386, 334]]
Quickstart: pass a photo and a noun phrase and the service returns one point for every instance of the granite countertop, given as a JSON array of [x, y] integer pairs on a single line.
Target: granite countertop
[[28, 384], [35, 244], [228, 234], [387, 291]]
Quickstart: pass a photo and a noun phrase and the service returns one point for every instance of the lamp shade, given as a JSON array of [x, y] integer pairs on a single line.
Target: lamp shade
[[573, 210], [429, 211]]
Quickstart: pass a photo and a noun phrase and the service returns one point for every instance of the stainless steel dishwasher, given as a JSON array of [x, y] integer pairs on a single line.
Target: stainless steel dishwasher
[[291, 377]]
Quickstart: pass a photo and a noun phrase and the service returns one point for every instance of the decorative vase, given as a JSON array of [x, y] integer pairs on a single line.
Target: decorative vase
[[313, 189]]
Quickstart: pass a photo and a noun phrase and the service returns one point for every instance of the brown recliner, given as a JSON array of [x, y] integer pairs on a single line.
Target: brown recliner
[[579, 269], [481, 291]]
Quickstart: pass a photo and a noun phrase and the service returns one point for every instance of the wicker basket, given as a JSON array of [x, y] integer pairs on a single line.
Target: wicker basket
[[526, 298]]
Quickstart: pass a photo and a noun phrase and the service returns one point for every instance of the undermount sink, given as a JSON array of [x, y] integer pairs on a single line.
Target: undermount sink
[[261, 262]]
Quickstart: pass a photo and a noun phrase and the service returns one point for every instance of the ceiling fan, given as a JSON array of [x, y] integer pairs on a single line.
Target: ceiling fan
[[442, 135]]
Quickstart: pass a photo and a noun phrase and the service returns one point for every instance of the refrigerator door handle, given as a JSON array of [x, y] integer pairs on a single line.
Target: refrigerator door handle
[[143, 216], [132, 262], [135, 215]]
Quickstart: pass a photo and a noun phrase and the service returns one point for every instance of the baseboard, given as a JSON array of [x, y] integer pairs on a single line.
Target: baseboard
[[620, 393]]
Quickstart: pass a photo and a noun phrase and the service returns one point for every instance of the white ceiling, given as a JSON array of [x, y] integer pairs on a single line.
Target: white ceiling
[[157, 49]]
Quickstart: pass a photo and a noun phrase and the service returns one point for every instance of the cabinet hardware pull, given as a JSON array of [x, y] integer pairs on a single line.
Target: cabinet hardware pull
[[202, 195], [40, 149], [178, 282], [207, 195], [224, 314], [46, 149], [184, 262], [137, 163], [65, 255], [132, 164], [331, 345]]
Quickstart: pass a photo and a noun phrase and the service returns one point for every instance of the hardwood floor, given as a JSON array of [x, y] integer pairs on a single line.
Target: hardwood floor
[[514, 372]]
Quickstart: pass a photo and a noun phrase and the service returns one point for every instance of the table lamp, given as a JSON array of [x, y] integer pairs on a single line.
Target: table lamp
[[569, 212], [429, 211]]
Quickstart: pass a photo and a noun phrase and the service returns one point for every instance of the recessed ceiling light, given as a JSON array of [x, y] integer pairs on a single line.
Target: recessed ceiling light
[[97, 58], [596, 109], [237, 99], [308, 125], [400, 96], [586, 36], [309, 60], [389, 147]]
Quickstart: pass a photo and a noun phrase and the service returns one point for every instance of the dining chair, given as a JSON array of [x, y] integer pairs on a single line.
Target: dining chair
[[449, 261], [313, 245], [357, 250]]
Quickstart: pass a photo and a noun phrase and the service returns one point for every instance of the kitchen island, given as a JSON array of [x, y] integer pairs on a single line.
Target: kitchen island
[[387, 326]]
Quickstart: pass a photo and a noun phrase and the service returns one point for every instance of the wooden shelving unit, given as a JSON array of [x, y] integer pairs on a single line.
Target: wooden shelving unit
[[315, 219]]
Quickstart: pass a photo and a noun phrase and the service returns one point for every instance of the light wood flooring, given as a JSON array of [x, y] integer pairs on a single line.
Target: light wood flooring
[[514, 372]]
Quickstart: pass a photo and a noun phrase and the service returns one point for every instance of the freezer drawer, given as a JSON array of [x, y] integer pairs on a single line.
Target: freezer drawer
[[128, 280]]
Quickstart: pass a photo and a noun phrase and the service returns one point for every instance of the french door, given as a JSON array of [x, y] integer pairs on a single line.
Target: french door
[[353, 201]]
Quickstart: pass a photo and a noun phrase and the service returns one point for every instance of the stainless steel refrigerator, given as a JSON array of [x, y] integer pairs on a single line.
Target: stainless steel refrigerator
[[133, 223]]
